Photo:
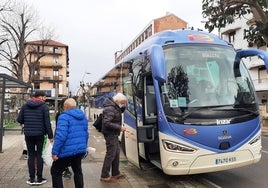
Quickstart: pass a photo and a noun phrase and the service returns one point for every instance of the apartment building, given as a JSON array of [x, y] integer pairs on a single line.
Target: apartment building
[[51, 67], [234, 33], [169, 21]]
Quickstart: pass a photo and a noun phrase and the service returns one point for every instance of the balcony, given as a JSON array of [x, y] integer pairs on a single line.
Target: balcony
[[51, 78], [45, 64], [261, 84], [55, 51], [36, 50]]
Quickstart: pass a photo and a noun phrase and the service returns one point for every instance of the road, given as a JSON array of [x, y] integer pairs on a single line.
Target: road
[[246, 177]]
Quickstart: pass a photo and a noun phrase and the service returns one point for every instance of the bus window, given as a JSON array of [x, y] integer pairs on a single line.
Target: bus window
[[150, 109], [207, 78], [150, 101], [127, 87]]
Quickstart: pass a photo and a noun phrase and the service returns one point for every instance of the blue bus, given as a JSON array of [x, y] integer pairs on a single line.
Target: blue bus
[[191, 104]]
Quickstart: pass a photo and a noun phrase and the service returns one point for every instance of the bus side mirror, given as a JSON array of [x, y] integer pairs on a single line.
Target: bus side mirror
[[254, 52], [157, 58]]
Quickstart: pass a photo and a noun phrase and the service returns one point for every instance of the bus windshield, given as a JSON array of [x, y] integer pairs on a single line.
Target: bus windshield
[[201, 76]]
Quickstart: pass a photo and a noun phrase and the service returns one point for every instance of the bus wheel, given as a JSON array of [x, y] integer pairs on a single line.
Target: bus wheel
[[123, 144]]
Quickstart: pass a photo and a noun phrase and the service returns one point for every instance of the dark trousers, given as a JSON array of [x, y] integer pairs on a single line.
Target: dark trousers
[[34, 146], [111, 160], [61, 164]]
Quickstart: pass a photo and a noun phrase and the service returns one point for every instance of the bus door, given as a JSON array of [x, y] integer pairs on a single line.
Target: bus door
[[148, 130], [132, 119]]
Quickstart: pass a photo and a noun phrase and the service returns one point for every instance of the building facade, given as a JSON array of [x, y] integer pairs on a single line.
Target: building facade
[[50, 65], [167, 22]]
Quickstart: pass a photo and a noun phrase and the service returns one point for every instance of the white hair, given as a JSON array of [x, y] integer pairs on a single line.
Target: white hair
[[70, 103], [119, 97]]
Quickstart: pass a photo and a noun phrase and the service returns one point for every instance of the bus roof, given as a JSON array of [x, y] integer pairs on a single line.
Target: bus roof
[[180, 36]]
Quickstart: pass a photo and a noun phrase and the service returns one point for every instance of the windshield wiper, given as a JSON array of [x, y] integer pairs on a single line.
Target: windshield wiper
[[191, 112], [238, 109]]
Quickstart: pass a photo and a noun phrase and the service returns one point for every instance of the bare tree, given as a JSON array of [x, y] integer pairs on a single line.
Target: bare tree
[[5, 7], [19, 25]]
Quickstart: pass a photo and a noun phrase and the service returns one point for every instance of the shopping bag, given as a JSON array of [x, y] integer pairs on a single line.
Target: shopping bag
[[90, 151], [98, 123], [47, 154]]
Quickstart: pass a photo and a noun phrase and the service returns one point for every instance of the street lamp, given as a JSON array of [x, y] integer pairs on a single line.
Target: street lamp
[[85, 75]]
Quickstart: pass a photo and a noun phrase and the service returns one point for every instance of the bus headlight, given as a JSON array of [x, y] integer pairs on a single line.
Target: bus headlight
[[176, 147]]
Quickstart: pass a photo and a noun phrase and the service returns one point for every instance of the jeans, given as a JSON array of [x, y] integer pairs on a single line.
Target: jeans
[[34, 146], [61, 164], [111, 160]]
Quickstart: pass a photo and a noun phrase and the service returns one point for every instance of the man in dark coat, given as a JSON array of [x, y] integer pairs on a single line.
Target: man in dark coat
[[111, 128], [34, 114]]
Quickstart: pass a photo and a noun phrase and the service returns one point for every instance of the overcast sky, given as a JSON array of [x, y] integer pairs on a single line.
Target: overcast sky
[[95, 30]]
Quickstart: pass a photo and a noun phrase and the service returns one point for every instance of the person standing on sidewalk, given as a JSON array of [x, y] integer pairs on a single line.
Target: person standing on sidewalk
[[66, 173], [70, 144], [111, 128], [34, 114]]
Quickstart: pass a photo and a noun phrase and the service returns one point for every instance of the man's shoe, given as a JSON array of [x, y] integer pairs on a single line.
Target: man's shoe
[[108, 180], [30, 182], [119, 176], [41, 181]]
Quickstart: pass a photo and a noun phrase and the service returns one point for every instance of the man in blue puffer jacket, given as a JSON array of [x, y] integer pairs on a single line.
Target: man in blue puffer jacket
[[70, 144]]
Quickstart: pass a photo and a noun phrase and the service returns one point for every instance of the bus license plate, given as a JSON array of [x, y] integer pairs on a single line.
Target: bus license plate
[[225, 160]]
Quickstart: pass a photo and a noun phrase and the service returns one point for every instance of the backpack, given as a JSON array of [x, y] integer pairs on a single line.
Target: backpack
[[98, 122]]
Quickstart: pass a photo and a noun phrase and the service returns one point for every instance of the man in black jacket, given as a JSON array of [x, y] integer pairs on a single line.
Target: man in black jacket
[[111, 128], [34, 114]]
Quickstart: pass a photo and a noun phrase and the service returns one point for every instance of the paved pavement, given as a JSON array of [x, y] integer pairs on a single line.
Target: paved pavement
[[14, 173]]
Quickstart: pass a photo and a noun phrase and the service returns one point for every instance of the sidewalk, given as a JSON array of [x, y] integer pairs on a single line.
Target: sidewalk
[[264, 131], [14, 171]]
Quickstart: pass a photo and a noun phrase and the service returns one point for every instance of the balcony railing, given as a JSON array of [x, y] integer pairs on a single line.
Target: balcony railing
[[261, 84], [45, 64], [35, 50], [48, 78]]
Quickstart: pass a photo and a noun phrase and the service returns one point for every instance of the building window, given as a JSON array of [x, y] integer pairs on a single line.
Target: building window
[[55, 72], [232, 37], [55, 60], [36, 72], [36, 85], [55, 50]]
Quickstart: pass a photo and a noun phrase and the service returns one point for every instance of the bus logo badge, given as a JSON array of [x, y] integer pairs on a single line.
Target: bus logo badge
[[190, 131], [224, 136], [223, 121]]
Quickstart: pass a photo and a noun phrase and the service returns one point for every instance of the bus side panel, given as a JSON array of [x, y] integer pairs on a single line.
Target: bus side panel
[[131, 144]]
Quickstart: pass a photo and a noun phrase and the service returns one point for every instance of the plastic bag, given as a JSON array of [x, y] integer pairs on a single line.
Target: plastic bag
[[90, 151], [47, 154]]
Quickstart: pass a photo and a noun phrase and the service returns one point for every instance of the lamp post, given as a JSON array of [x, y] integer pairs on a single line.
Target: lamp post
[[85, 75]]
